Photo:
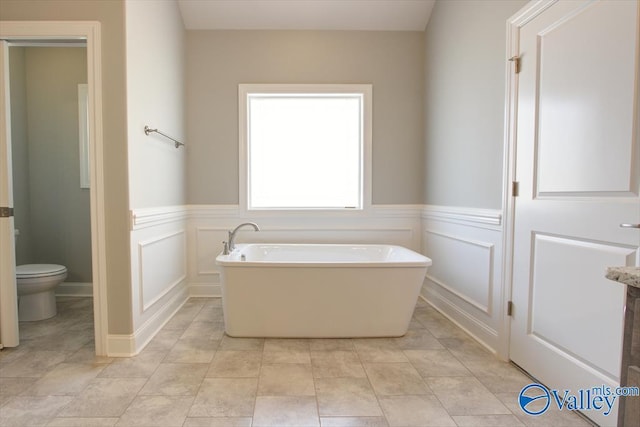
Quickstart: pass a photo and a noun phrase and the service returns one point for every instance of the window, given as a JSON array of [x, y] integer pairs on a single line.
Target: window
[[305, 147]]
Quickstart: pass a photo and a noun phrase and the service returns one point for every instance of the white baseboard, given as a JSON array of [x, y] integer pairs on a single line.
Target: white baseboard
[[471, 326], [75, 289], [130, 345], [120, 345]]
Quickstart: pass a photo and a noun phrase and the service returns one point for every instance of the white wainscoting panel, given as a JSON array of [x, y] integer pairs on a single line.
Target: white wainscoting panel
[[163, 266], [465, 281], [158, 273], [173, 253], [463, 267], [208, 226]]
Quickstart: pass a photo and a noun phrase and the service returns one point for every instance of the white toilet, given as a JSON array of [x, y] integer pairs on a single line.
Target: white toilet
[[36, 285]]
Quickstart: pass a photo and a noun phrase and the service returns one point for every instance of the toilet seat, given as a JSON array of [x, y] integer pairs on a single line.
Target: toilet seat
[[32, 271]]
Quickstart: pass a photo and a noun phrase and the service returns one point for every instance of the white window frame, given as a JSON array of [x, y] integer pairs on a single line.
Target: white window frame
[[366, 90]]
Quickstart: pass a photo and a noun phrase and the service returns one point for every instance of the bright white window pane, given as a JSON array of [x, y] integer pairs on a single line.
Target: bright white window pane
[[305, 151]]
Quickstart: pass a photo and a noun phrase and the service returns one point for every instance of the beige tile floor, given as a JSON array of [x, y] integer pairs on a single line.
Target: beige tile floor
[[191, 374]]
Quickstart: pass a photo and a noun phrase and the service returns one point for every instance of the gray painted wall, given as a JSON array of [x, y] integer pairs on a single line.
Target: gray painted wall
[[217, 61], [110, 14], [465, 45], [54, 214], [115, 103], [155, 97], [20, 154]]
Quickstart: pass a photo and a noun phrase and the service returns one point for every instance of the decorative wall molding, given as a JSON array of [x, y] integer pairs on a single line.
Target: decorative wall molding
[[163, 266], [466, 286], [206, 261], [465, 282], [151, 217], [159, 246], [462, 215], [473, 283]]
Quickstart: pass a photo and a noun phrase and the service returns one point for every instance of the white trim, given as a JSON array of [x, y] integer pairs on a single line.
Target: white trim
[[490, 248], [367, 160], [528, 13], [121, 345], [513, 25], [151, 327], [9, 333], [486, 334], [79, 30], [198, 234], [131, 344], [463, 215], [151, 217], [83, 135]]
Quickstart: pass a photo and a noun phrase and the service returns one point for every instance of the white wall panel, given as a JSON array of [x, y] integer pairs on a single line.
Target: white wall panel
[[158, 271], [465, 281], [463, 267], [162, 262]]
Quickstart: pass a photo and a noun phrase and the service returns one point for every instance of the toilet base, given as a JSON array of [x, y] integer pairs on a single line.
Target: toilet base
[[39, 306]]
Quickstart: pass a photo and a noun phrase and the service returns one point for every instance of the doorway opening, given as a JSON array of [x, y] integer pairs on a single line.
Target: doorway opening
[[46, 35], [50, 197]]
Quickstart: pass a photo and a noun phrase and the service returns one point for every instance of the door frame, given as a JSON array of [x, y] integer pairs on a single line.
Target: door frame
[[530, 11], [88, 31]]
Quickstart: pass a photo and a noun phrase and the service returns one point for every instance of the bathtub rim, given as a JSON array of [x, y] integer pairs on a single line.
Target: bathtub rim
[[233, 259]]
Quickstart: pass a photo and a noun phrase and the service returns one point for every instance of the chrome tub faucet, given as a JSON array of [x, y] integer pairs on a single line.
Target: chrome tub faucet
[[230, 245]]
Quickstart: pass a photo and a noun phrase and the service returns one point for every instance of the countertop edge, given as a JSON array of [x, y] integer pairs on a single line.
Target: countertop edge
[[626, 275]]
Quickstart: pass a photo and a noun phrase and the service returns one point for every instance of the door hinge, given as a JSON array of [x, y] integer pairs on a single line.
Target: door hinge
[[509, 308], [516, 60], [515, 188], [6, 212]]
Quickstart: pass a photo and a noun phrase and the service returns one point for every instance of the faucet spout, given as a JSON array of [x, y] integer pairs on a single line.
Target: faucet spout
[[232, 234]]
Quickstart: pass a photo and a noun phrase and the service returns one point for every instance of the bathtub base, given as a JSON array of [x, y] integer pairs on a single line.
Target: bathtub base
[[317, 302]]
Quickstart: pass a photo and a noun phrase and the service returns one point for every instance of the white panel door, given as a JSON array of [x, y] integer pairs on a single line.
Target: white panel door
[[577, 164], [8, 297]]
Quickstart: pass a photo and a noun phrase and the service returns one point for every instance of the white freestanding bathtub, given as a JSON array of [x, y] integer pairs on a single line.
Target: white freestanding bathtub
[[320, 290]]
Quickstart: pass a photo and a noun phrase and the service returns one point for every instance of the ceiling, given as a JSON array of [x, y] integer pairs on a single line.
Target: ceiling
[[370, 15]]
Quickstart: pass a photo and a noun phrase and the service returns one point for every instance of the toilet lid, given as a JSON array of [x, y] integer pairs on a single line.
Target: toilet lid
[[39, 270]]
